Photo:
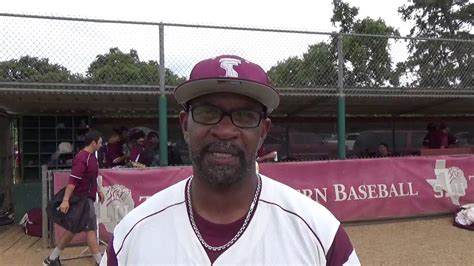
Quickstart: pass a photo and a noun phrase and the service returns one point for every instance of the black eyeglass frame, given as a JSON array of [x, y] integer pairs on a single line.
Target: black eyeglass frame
[[189, 108]]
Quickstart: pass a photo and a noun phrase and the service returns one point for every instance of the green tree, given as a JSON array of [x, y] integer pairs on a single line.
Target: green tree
[[33, 69], [287, 73], [344, 16], [367, 60], [316, 69], [117, 67], [437, 63]]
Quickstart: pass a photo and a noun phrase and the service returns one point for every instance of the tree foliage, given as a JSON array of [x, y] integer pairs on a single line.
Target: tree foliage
[[316, 69], [344, 16], [367, 60], [116, 67], [440, 63], [33, 69]]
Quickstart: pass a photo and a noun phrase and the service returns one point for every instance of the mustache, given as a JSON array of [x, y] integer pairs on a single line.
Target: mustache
[[223, 147]]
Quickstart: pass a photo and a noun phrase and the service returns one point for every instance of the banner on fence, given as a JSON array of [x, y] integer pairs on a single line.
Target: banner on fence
[[353, 190]]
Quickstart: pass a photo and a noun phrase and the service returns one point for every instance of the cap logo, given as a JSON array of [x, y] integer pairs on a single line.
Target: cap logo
[[228, 65]]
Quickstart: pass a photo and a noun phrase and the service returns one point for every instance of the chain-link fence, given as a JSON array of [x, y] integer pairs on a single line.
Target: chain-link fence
[[48, 49], [381, 75], [401, 62], [77, 51]]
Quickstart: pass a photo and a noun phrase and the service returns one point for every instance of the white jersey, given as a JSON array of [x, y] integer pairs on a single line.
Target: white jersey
[[286, 228]]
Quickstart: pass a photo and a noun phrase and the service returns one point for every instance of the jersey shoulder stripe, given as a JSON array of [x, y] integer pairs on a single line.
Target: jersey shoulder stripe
[[157, 204], [298, 217], [319, 220], [144, 218]]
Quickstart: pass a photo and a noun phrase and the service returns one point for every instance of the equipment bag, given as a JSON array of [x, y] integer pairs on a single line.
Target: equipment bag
[[75, 220], [32, 222], [464, 217]]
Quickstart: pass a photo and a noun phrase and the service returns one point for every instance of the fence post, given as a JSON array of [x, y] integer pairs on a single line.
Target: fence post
[[44, 196], [163, 109], [341, 102]]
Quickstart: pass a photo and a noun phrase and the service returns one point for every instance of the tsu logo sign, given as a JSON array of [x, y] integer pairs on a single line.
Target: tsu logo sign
[[118, 202], [228, 65], [450, 182]]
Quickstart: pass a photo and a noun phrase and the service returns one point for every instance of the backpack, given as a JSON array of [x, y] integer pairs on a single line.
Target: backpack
[[32, 222]]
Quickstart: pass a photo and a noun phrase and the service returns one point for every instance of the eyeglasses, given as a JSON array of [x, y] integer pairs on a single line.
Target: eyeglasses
[[211, 115]]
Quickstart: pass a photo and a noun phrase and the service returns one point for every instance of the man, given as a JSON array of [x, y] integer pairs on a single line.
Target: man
[[151, 148], [226, 213], [448, 139], [83, 183], [113, 150], [151, 152], [429, 141], [383, 150], [125, 140], [137, 138]]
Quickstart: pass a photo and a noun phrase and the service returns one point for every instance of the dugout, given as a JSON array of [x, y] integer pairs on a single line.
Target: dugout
[[37, 116]]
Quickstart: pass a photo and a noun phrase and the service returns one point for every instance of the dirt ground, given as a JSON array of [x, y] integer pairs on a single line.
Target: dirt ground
[[426, 241]]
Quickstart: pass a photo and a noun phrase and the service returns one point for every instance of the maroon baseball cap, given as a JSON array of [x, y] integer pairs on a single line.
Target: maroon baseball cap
[[228, 73]]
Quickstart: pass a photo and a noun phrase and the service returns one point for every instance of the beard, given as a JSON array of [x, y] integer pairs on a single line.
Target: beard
[[221, 175]]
